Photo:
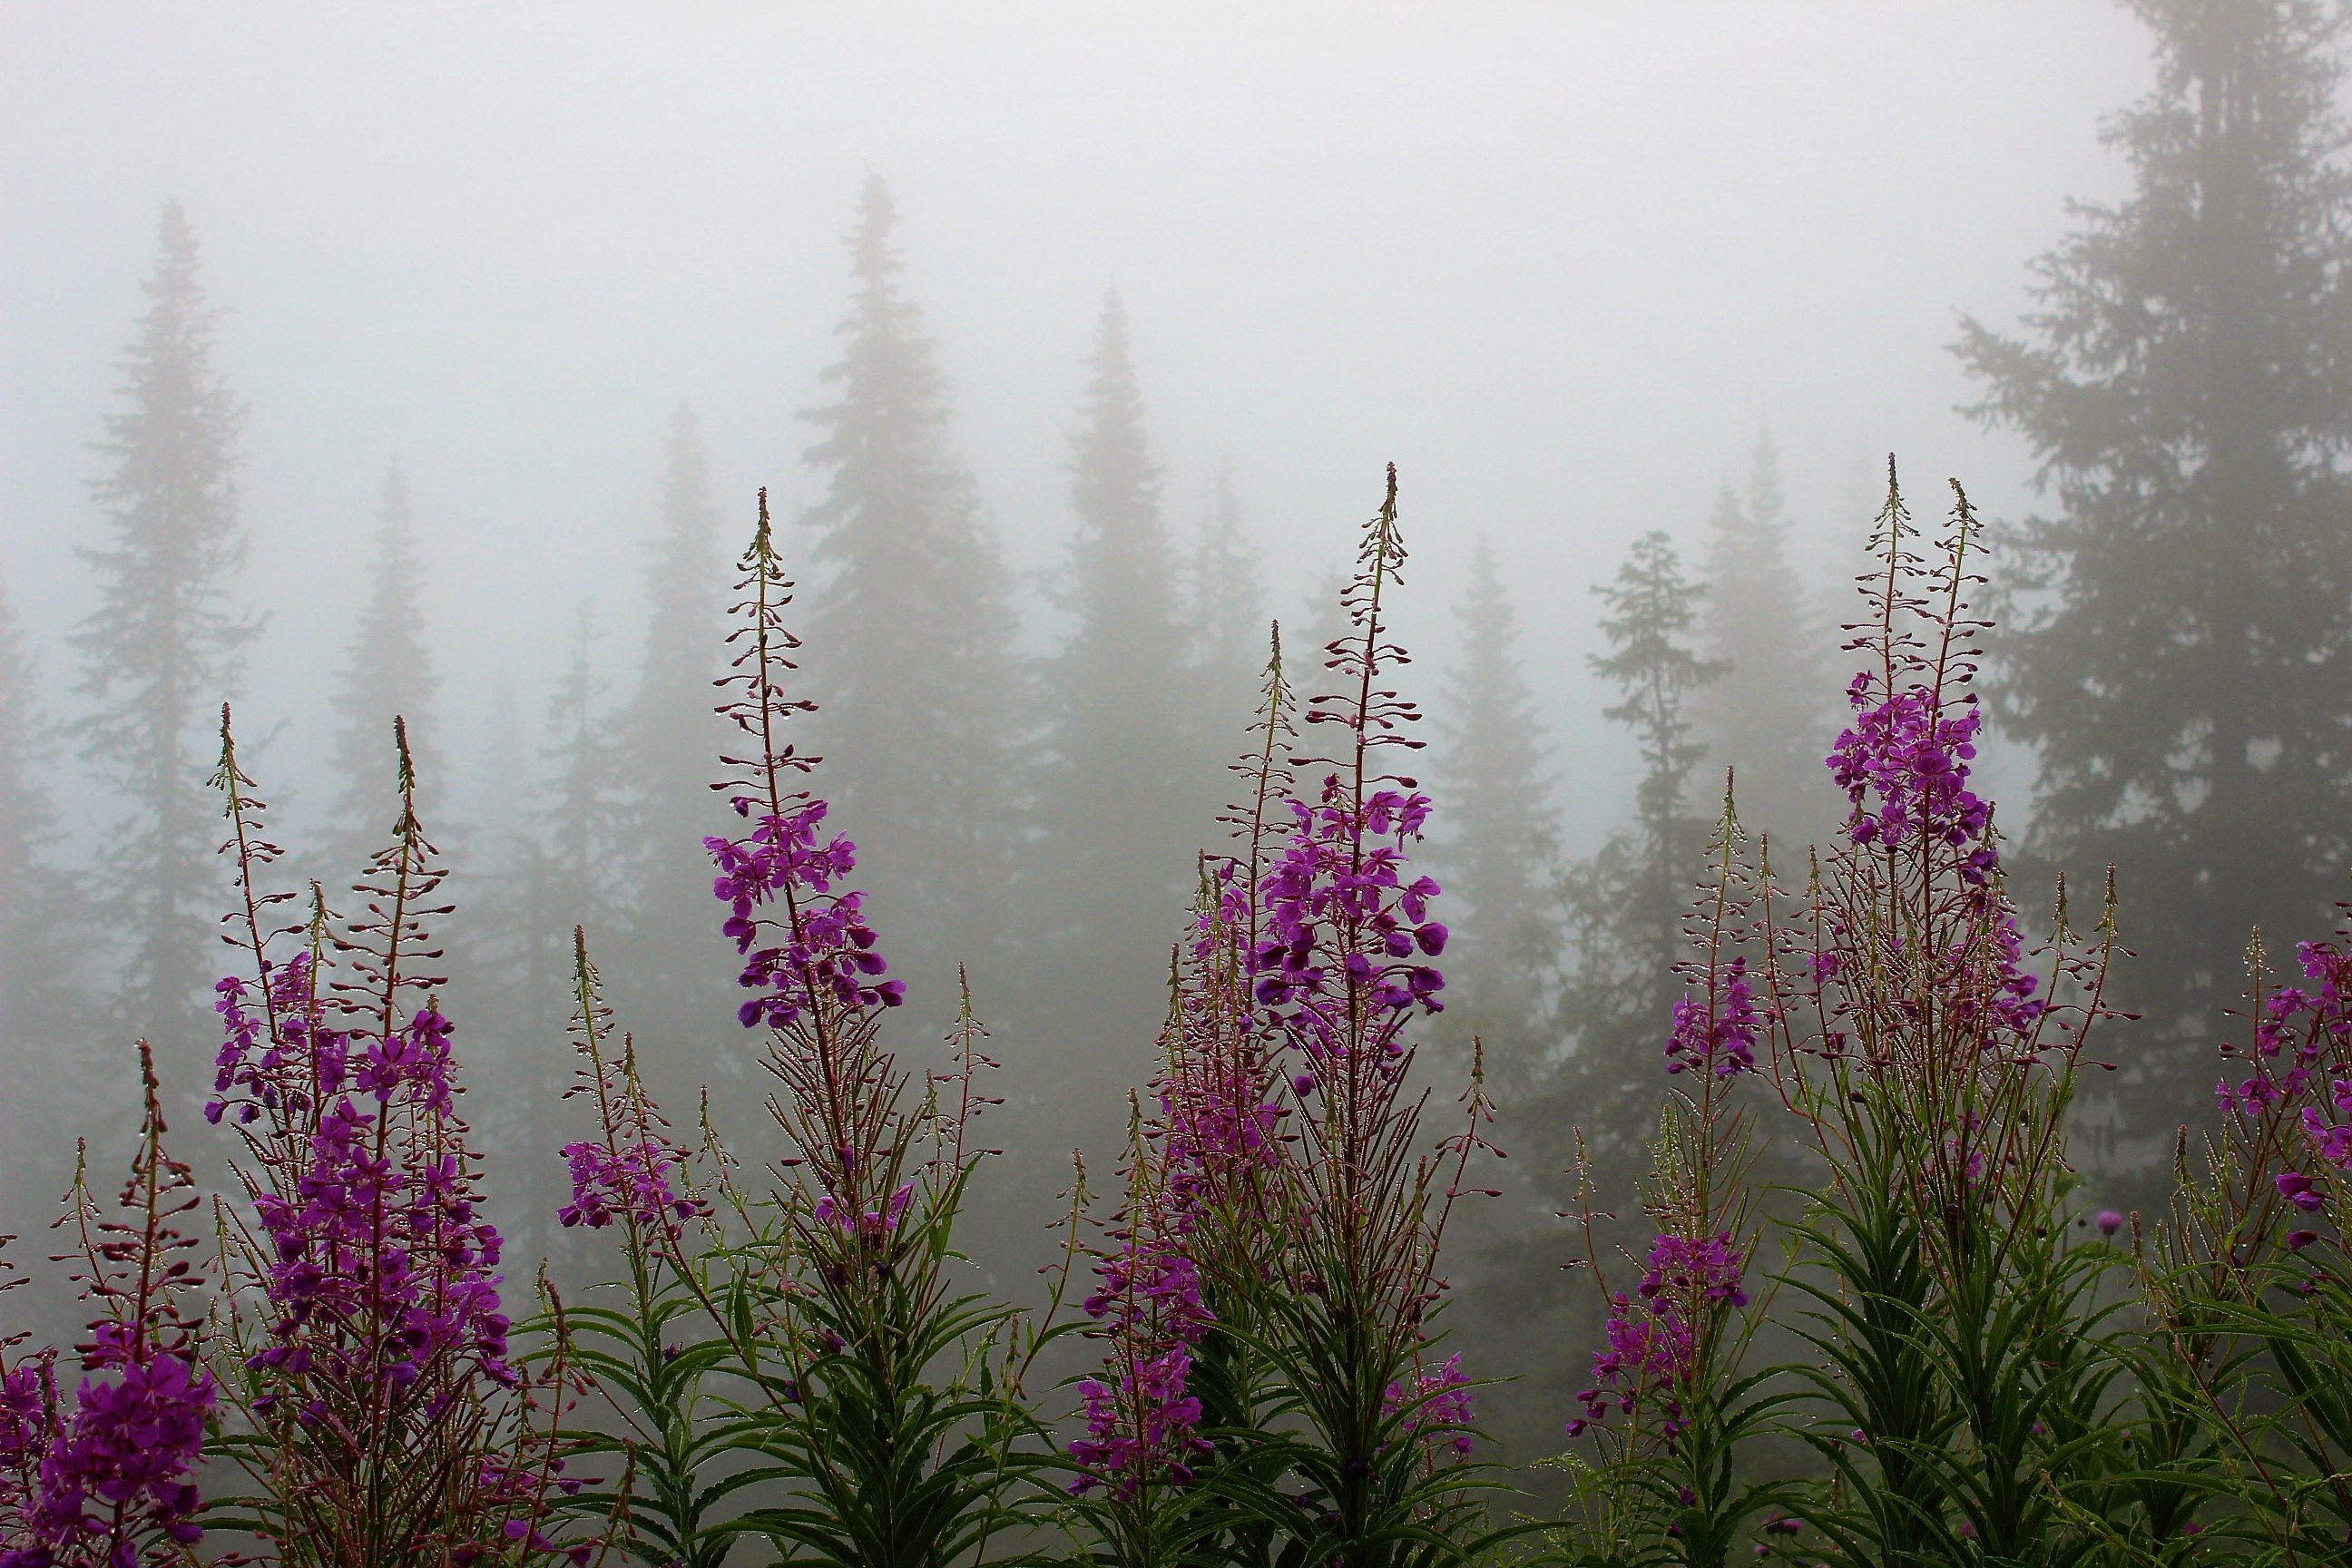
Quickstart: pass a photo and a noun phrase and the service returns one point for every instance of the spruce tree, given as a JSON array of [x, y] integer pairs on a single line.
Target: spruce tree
[[1771, 713], [557, 871], [47, 1084], [2177, 643], [1621, 908], [1120, 782], [166, 644], [671, 958], [1500, 855], [1225, 611], [1122, 793], [1626, 902], [388, 675], [908, 636]]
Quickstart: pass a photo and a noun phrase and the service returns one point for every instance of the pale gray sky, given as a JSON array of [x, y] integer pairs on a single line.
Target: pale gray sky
[[1557, 260]]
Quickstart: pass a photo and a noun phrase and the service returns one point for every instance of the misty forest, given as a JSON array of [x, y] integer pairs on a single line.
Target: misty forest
[[1307, 787]]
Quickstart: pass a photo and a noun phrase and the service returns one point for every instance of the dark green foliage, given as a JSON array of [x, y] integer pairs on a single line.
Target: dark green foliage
[[1626, 902], [166, 643], [2180, 646], [912, 631]]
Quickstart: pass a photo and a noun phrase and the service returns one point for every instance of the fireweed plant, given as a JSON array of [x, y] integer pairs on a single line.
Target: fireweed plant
[[1359, 1451], [647, 1340], [1969, 1397], [1184, 1372], [1674, 1406], [787, 1369], [379, 1414], [107, 1480], [875, 1404], [2250, 1381]]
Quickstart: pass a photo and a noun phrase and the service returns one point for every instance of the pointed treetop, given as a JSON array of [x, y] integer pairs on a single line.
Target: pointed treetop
[[875, 259]]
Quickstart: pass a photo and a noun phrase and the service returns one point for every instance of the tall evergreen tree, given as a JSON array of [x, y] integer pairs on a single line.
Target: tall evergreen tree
[[910, 635], [46, 1084], [1626, 902], [1122, 781], [1225, 609], [1771, 713], [389, 674], [1623, 909], [1122, 792], [1501, 853], [670, 960], [2178, 638], [166, 643], [558, 870]]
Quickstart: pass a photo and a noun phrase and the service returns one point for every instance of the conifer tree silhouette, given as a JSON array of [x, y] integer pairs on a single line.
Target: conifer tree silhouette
[[389, 673], [666, 741], [2176, 635], [1770, 713], [1122, 788], [47, 1080], [908, 642], [1500, 857], [166, 643]]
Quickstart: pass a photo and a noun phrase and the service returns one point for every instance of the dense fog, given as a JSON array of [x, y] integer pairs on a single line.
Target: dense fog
[[520, 308]]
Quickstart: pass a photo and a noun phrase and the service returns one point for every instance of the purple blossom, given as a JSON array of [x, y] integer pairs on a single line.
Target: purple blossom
[[1140, 1427], [1436, 1404], [635, 1181], [1719, 1047], [380, 1259], [1905, 767], [872, 1224], [128, 1449], [826, 952], [2300, 1191], [1337, 966], [1141, 1416], [1654, 1335]]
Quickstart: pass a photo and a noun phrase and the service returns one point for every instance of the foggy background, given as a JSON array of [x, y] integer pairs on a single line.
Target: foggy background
[[1564, 265], [1556, 262]]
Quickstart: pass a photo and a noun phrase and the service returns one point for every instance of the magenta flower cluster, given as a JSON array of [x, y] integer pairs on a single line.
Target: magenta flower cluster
[[381, 1259], [381, 1267], [118, 1470], [1914, 759], [1905, 764], [1655, 1334], [637, 1181], [1719, 1045], [873, 1225], [2298, 1029], [1436, 1405], [1343, 922], [1142, 1419], [283, 1075], [827, 949]]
